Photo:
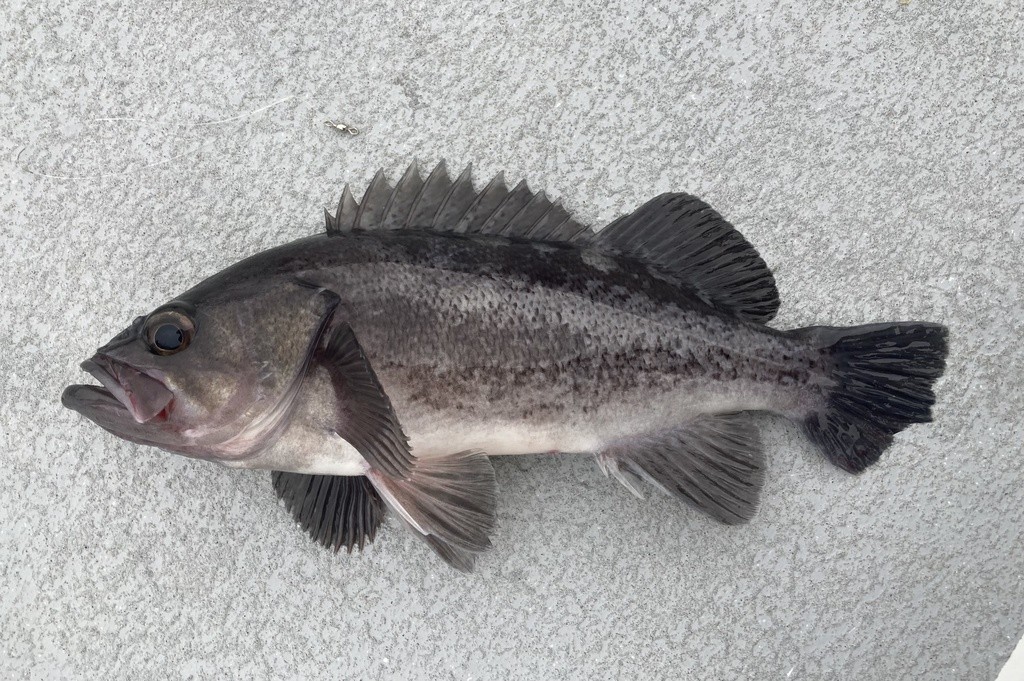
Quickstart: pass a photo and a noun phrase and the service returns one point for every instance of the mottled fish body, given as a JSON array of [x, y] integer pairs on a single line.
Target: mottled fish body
[[484, 342], [431, 324]]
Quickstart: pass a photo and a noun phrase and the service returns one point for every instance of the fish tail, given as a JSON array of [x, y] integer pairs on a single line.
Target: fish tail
[[882, 380]]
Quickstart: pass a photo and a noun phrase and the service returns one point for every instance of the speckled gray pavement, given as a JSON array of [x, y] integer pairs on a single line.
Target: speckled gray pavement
[[872, 151]]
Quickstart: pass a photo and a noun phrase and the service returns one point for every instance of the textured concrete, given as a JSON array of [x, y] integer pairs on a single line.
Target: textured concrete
[[872, 151]]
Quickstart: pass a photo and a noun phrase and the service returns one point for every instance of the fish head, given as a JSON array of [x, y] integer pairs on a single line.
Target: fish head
[[199, 377]]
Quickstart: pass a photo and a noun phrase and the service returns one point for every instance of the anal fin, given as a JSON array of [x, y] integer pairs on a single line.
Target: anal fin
[[713, 462], [335, 510]]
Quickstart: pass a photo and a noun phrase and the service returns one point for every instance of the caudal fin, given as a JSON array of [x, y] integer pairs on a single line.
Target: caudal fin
[[882, 377]]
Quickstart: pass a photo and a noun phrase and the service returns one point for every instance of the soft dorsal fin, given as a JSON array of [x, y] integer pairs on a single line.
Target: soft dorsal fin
[[441, 204], [678, 234], [689, 240]]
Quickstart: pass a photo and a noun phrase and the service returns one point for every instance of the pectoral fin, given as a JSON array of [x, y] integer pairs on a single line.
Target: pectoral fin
[[448, 501], [365, 417]]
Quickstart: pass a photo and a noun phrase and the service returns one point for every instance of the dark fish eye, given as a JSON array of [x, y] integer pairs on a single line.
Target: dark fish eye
[[168, 337], [169, 331]]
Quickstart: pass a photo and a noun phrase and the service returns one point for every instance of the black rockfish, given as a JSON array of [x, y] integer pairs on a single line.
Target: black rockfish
[[380, 362]]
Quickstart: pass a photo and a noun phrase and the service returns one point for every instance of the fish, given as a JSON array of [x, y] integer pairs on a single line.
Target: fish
[[375, 366]]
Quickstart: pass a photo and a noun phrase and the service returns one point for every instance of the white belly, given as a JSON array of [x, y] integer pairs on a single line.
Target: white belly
[[319, 451]]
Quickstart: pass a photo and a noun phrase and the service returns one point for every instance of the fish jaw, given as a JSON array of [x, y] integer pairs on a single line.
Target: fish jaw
[[144, 396], [128, 403], [99, 406]]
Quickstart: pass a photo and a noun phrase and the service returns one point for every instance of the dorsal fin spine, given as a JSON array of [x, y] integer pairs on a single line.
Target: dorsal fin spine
[[533, 228], [402, 197], [438, 176], [509, 207], [461, 182], [538, 200], [342, 220], [389, 206], [379, 187], [481, 205], [348, 208]]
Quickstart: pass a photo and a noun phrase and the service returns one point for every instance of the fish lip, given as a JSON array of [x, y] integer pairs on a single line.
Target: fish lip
[[97, 404], [79, 396], [142, 395]]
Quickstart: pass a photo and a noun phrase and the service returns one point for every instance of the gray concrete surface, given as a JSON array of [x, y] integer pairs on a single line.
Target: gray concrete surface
[[872, 151]]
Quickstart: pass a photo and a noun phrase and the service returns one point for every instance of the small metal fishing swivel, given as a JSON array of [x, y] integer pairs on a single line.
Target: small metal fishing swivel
[[343, 127]]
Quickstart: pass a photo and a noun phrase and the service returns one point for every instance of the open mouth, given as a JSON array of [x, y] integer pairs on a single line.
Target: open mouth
[[124, 388]]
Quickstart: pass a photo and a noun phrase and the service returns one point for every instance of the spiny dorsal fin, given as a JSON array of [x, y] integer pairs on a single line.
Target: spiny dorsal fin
[[508, 209], [348, 210], [456, 201], [433, 192], [443, 205], [686, 238], [402, 198], [483, 205], [375, 202]]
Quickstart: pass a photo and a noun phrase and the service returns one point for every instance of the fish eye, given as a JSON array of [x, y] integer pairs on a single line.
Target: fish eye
[[169, 332]]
